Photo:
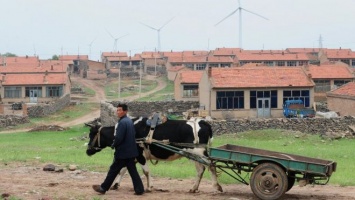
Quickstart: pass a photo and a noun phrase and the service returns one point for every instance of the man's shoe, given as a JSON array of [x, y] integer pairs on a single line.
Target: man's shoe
[[138, 193], [98, 189]]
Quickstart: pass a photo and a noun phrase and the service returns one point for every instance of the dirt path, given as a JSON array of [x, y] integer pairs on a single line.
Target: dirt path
[[30, 182], [98, 87]]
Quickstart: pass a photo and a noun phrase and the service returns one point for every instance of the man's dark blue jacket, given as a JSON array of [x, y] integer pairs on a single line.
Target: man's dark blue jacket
[[125, 141]]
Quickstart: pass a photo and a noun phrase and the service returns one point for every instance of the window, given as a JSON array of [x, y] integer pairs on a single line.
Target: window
[[280, 63], [346, 61], [230, 100], [269, 63], [189, 65], [200, 66], [12, 92], [303, 95], [54, 91], [29, 89], [301, 63], [225, 65], [353, 63], [291, 63], [322, 86], [190, 91], [263, 94], [340, 82]]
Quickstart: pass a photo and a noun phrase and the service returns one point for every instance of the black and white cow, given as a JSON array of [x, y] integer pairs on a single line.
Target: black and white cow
[[193, 131]]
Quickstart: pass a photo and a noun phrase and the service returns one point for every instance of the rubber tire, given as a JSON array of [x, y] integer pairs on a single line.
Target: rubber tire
[[268, 181], [291, 180]]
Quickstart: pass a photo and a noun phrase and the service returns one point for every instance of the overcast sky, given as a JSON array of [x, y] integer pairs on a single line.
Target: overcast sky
[[48, 27]]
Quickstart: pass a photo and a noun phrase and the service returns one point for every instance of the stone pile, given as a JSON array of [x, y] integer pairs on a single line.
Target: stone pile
[[12, 120]]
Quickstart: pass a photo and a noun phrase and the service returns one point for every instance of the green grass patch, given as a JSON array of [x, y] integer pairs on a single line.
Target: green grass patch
[[128, 88], [166, 93], [68, 147]]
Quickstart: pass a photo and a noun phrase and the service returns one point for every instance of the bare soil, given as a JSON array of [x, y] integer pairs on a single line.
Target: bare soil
[[30, 182]]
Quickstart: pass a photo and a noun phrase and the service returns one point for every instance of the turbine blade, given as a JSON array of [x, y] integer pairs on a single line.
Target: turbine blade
[[122, 36], [227, 17], [254, 13], [148, 26], [110, 34], [166, 23]]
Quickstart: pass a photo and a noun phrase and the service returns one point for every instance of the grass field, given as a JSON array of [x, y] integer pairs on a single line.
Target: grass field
[[68, 147]]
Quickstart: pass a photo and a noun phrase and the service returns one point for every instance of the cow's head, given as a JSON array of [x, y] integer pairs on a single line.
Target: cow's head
[[93, 146]]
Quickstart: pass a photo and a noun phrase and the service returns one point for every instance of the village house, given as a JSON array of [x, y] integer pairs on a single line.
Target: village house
[[256, 92], [329, 76], [186, 85], [342, 99], [33, 82]]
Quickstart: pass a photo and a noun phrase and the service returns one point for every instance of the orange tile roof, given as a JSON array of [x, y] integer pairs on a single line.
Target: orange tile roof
[[257, 77], [172, 54], [220, 59], [330, 71], [190, 76], [50, 66], [226, 51], [20, 59], [175, 68], [272, 57], [124, 58], [303, 50], [73, 57], [114, 54], [35, 79], [339, 53], [345, 90]]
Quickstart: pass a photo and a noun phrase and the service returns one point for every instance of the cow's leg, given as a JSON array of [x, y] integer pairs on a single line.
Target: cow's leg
[[146, 172], [119, 178], [200, 168], [214, 178]]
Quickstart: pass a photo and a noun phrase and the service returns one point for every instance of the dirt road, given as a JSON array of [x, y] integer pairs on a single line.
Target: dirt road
[[30, 182]]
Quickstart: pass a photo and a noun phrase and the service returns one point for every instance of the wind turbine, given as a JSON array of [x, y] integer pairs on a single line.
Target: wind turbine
[[158, 30], [240, 9], [115, 40], [91, 45]]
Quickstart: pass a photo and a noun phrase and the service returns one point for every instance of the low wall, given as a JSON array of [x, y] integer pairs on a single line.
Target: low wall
[[342, 126], [108, 109], [42, 110]]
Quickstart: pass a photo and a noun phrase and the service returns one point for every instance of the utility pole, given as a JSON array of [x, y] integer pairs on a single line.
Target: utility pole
[[119, 82], [140, 79], [155, 62]]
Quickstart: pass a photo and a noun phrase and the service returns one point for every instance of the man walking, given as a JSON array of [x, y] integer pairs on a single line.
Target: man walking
[[125, 153]]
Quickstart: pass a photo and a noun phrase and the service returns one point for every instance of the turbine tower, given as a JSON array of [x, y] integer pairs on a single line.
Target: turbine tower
[[240, 9], [158, 30], [115, 40]]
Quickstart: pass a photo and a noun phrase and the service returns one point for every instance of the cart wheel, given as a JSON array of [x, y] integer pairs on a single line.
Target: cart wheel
[[291, 180], [268, 181]]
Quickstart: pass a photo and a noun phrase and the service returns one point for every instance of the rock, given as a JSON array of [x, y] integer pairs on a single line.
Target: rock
[[72, 167], [49, 167]]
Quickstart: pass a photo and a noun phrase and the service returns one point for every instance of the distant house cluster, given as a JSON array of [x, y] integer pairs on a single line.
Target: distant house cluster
[[225, 81]]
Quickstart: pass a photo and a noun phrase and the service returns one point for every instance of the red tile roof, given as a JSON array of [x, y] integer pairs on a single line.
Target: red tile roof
[[226, 51], [257, 77], [175, 68], [272, 57], [330, 71], [112, 59], [339, 53], [303, 50], [190, 76], [25, 59], [345, 90], [35, 79], [114, 54], [73, 57], [50, 66]]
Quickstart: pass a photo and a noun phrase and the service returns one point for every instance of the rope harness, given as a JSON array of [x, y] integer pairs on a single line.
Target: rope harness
[[96, 138]]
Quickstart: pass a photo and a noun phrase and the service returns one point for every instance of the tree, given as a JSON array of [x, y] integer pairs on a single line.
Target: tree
[[55, 57], [8, 54]]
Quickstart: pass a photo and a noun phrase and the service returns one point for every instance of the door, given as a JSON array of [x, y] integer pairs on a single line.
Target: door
[[33, 96], [263, 108]]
